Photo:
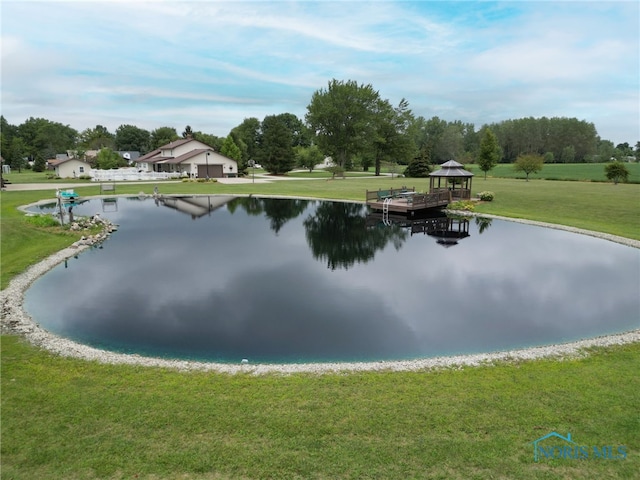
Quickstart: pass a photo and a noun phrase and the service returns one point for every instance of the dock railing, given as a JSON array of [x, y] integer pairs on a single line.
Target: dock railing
[[382, 194]]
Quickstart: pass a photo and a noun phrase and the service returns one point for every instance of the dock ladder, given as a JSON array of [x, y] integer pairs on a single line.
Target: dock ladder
[[385, 211]]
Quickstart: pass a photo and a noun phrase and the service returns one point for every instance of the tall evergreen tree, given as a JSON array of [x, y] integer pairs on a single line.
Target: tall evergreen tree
[[276, 151], [489, 152]]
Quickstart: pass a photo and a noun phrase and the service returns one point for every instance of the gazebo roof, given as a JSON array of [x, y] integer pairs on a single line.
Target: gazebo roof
[[451, 169]]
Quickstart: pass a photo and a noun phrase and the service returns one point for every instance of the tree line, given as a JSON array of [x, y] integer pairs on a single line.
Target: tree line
[[347, 121]]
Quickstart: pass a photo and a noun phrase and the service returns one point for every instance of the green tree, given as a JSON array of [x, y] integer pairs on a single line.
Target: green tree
[[230, 149], [39, 163], [247, 135], [7, 133], [568, 154], [16, 153], [308, 157], [44, 139], [625, 149], [616, 172], [540, 135], [392, 141], [162, 136], [451, 143], [132, 138], [549, 157], [342, 118], [489, 152], [605, 151], [96, 138], [419, 167], [528, 163], [276, 151], [300, 135], [107, 159]]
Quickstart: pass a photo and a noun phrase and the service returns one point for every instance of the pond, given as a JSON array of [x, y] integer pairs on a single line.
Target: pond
[[221, 278]]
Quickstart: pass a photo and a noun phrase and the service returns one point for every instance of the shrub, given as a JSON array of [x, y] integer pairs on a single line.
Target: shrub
[[465, 205], [486, 196], [85, 177], [335, 171], [418, 168], [617, 172]]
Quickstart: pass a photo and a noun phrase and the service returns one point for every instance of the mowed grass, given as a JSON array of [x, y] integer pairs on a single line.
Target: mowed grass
[[594, 172], [67, 418], [72, 419]]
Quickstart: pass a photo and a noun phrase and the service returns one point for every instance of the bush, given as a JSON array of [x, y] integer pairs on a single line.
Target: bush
[[418, 168], [203, 180], [465, 205], [85, 177], [335, 171], [486, 196]]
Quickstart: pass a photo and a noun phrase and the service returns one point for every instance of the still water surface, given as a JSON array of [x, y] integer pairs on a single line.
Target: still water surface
[[280, 280]]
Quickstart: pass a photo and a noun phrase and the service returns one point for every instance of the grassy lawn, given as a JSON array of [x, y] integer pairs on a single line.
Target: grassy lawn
[[65, 418], [72, 419], [593, 172]]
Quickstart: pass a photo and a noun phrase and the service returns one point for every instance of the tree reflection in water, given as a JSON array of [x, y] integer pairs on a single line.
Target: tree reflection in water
[[338, 233]]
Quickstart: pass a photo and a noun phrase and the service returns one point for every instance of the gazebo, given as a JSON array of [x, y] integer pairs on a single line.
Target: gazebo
[[457, 180]]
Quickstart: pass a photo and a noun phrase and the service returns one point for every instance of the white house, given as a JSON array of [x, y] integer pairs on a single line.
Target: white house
[[188, 157], [70, 167]]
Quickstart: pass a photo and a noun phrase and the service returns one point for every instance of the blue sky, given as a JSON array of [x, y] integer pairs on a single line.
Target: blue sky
[[211, 64]]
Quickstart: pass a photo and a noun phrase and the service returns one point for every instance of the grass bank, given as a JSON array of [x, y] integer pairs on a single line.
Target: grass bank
[[66, 418], [72, 419]]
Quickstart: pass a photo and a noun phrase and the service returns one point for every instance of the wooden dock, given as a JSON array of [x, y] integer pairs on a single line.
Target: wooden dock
[[407, 201]]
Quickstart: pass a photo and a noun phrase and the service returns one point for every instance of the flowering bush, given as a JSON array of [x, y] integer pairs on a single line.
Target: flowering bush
[[486, 196], [462, 205]]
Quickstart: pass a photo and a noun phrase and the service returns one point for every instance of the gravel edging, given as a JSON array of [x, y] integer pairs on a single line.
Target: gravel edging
[[15, 320]]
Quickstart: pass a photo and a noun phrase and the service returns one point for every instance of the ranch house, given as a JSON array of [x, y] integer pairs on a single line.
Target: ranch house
[[188, 157]]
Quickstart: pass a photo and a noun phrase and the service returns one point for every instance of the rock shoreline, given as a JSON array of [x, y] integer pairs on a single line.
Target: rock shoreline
[[15, 320]]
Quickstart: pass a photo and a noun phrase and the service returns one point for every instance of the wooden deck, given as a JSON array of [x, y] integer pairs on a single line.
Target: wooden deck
[[408, 201]]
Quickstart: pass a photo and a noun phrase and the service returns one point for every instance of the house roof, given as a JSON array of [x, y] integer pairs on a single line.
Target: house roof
[[155, 157], [177, 143], [147, 156], [188, 155], [130, 155], [55, 163]]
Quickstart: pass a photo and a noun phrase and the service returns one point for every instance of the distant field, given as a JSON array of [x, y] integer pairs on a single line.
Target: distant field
[[590, 172]]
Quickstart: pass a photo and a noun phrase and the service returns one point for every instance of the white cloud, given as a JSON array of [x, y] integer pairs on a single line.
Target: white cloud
[[475, 62]]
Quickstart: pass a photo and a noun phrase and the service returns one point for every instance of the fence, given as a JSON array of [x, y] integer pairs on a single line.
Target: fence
[[123, 174]]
